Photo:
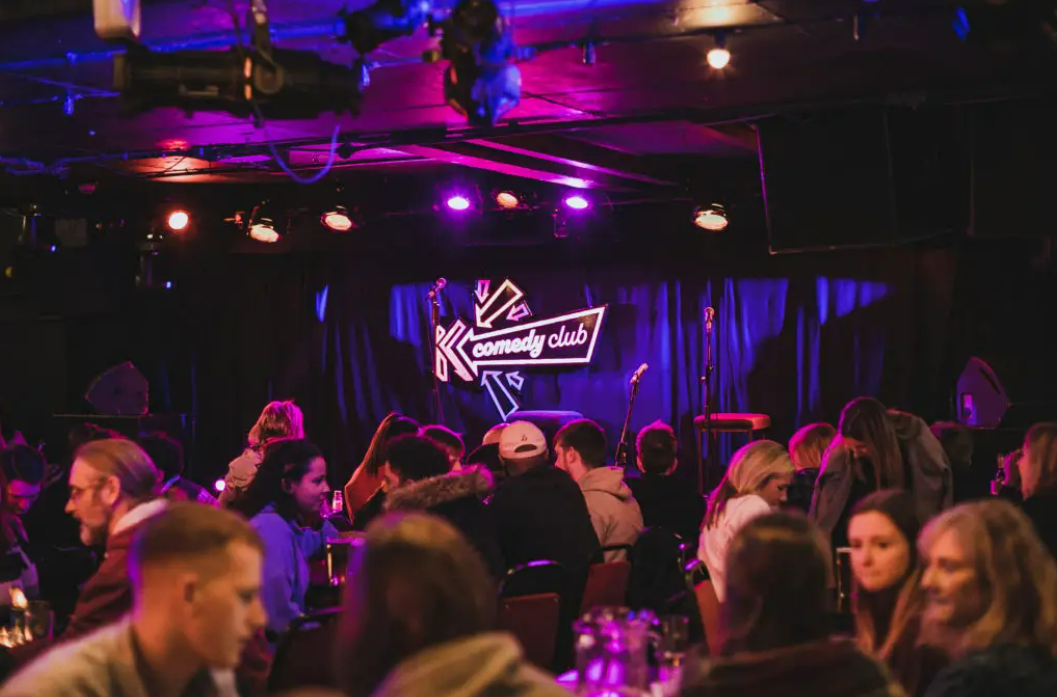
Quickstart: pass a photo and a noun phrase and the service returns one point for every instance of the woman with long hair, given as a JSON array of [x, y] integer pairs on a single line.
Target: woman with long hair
[[888, 600], [877, 448], [420, 617], [755, 482], [1038, 481], [286, 498], [774, 624], [365, 491], [277, 420], [805, 450], [991, 602]]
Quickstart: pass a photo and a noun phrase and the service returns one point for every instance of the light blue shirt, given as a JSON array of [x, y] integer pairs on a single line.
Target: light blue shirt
[[287, 549]]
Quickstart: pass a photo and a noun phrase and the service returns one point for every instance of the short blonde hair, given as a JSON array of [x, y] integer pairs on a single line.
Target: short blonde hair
[[807, 445], [277, 420], [187, 531], [749, 471], [1015, 571], [127, 462]]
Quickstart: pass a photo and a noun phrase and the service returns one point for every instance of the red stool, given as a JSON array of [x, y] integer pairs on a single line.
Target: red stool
[[749, 424]]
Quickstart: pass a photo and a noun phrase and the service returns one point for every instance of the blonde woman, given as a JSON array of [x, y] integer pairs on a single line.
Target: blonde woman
[[756, 482], [1038, 481], [991, 604], [278, 420]]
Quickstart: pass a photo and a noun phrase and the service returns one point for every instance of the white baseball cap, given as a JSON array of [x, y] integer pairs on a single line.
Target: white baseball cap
[[520, 440]]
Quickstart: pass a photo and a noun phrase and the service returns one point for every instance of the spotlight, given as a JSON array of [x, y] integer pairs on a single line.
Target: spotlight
[[719, 57], [255, 80], [507, 199], [577, 202], [458, 203], [338, 219], [219, 485], [261, 225], [712, 218], [178, 221], [481, 81]]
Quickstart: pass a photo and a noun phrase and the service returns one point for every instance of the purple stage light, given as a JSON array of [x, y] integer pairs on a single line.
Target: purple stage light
[[577, 202], [458, 203]]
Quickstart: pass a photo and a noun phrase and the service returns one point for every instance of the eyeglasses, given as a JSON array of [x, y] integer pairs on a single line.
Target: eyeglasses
[[77, 492]]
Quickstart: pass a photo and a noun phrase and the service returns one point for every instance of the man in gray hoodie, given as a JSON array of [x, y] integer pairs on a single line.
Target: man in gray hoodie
[[580, 448]]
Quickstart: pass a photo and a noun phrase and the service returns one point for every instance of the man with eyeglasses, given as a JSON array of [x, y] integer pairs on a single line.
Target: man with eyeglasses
[[112, 490]]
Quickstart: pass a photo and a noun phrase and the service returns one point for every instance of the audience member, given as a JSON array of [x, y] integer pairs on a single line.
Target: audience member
[[805, 450], [24, 469], [420, 620], [168, 456], [195, 578], [969, 484], [991, 604], [1038, 481], [286, 496], [493, 434], [364, 492], [1006, 484], [277, 420], [878, 449], [580, 447], [539, 510], [755, 482], [17, 569], [112, 492], [888, 600], [664, 500], [450, 441], [419, 480], [774, 622]]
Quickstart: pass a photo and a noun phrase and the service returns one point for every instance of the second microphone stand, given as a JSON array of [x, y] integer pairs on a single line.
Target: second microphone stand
[[434, 322], [625, 447], [704, 472]]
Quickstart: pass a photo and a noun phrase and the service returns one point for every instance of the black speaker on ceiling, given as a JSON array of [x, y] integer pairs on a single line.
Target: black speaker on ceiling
[[1007, 393], [863, 176]]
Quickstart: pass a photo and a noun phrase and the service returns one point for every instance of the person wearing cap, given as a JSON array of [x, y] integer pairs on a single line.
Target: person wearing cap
[[540, 511]]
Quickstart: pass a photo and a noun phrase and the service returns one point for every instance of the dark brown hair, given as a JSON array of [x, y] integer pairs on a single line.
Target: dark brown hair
[[657, 447], [585, 437], [393, 425], [416, 583], [1041, 444], [778, 568], [866, 420]]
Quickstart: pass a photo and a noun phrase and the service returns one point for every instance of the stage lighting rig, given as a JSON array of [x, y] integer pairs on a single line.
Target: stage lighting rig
[[481, 81], [256, 80]]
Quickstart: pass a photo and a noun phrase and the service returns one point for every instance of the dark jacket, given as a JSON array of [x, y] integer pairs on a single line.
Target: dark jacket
[[999, 671], [457, 497], [830, 668], [669, 503], [801, 489], [542, 515]]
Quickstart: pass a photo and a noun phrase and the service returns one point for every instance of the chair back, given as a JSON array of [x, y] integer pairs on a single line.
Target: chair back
[[534, 578], [304, 656], [607, 586], [534, 620], [657, 570]]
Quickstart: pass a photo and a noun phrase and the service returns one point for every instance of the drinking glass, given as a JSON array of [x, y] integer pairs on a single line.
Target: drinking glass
[[672, 640]]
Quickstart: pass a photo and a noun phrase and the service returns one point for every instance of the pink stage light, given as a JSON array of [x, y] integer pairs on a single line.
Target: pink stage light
[[178, 220], [458, 203], [577, 202]]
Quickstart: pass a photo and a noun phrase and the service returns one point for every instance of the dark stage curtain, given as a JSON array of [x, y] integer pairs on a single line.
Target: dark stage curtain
[[795, 338]]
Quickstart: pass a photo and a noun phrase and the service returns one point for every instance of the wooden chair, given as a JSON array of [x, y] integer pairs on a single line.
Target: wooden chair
[[708, 606], [607, 586], [304, 655], [534, 620]]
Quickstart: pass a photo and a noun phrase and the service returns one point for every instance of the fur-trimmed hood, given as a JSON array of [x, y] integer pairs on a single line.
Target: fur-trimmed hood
[[427, 493]]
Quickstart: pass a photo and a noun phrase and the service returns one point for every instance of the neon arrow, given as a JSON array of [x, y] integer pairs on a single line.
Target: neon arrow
[[519, 312], [486, 312], [504, 401], [482, 290], [515, 380], [445, 355]]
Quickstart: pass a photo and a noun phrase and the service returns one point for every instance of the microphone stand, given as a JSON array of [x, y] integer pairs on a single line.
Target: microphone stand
[[704, 478], [624, 447], [434, 322]]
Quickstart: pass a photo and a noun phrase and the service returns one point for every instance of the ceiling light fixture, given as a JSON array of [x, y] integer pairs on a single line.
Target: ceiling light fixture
[[712, 218]]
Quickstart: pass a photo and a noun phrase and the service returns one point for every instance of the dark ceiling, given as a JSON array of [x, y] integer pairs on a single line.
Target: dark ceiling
[[650, 99]]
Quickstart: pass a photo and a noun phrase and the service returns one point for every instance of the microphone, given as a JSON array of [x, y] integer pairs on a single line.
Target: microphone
[[438, 286], [709, 316], [638, 373]]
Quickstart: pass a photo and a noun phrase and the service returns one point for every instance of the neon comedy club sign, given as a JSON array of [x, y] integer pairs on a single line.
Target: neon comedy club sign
[[501, 343]]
